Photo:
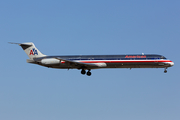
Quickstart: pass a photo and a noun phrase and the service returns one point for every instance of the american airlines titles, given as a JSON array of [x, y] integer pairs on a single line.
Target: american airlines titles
[[135, 56]]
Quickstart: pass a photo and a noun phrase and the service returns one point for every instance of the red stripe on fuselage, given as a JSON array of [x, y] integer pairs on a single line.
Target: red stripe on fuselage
[[127, 61]]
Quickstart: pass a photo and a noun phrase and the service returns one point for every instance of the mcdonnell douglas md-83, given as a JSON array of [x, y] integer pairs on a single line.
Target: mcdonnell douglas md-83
[[88, 62]]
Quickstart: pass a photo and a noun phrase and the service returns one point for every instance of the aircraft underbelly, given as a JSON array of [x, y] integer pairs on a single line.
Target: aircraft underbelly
[[112, 65], [135, 65]]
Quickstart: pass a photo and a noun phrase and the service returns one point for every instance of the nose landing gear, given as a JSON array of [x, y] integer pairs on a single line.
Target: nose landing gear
[[165, 70]]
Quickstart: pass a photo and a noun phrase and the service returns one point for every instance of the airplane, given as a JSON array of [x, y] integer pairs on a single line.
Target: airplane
[[88, 62]]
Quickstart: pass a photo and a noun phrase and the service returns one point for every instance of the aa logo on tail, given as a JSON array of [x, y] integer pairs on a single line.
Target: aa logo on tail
[[33, 52]]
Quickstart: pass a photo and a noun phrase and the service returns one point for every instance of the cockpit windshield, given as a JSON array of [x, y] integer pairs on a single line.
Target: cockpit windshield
[[162, 57]]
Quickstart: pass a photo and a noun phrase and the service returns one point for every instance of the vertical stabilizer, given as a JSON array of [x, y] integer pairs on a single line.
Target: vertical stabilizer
[[31, 50]]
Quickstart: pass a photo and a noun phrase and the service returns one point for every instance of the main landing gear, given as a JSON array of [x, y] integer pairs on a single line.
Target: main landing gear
[[165, 70], [84, 72]]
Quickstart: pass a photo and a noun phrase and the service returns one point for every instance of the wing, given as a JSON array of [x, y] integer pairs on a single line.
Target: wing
[[79, 65]]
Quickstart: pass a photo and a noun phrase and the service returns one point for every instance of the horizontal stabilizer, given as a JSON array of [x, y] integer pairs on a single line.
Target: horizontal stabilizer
[[14, 43]]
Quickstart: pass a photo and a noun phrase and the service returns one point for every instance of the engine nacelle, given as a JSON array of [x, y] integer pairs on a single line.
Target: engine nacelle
[[50, 61]]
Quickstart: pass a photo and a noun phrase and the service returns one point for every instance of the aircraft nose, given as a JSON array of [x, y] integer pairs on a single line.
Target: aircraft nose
[[171, 63]]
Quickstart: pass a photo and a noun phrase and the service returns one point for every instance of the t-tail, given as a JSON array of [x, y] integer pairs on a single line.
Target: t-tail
[[30, 50]]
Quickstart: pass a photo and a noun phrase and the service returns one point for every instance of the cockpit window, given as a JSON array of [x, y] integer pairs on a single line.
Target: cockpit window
[[162, 57]]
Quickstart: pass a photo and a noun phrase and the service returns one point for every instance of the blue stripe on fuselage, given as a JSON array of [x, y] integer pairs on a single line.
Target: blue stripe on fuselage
[[107, 57]]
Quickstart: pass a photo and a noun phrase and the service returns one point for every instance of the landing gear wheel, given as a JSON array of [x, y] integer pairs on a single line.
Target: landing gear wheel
[[165, 71], [83, 72], [88, 73]]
